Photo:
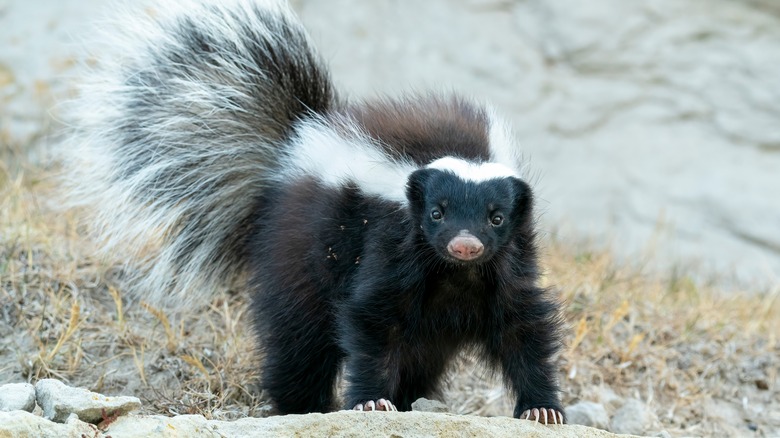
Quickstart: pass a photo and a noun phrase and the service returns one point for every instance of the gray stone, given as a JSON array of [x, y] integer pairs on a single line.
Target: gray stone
[[634, 417], [715, 409], [608, 398], [348, 424], [59, 401], [729, 416], [424, 405], [17, 397], [22, 424], [588, 414]]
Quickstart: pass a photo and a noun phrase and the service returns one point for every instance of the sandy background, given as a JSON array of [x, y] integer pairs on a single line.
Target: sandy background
[[652, 127]]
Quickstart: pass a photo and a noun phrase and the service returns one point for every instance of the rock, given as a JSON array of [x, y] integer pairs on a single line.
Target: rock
[[588, 414], [346, 423], [721, 409], [424, 405], [601, 98], [59, 401], [17, 397], [22, 424], [608, 398], [634, 417], [729, 416]]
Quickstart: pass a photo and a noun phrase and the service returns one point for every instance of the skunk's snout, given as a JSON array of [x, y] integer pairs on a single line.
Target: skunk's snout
[[465, 246]]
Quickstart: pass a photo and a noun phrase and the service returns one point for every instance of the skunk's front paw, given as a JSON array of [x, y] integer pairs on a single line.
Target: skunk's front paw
[[379, 405], [543, 415]]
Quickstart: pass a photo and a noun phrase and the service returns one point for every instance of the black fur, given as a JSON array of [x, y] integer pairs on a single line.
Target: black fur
[[344, 277]]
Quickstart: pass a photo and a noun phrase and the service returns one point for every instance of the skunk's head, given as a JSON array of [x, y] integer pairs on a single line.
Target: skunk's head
[[468, 211]]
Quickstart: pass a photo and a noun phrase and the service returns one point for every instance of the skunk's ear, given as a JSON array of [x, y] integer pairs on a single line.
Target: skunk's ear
[[523, 198], [416, 186]]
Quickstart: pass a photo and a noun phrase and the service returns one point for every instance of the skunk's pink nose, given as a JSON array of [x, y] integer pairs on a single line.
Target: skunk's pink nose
[[465, 247]]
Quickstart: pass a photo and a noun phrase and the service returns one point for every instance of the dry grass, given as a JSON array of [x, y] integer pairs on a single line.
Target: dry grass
[[62, 316], [705, 362], [686, 350]]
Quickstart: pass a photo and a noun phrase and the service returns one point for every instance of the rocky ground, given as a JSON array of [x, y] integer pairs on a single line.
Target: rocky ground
[[652, 133], [67, 411]]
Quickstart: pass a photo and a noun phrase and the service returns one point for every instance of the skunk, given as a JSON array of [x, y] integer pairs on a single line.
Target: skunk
[[384, 235]]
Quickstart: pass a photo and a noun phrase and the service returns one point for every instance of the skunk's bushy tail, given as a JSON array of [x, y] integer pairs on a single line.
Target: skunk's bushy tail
[[177, 132]]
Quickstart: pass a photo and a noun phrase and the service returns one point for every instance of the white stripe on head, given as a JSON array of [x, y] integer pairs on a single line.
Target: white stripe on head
[[470, 171]]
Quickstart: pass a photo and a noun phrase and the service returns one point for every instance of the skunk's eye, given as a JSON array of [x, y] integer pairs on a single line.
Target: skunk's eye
[[436, 214], [497, 220]]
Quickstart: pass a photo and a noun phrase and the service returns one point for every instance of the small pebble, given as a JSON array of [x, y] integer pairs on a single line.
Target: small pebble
[[633, 418], [425, 405], [17, 397], [588, 414], [60, 401]]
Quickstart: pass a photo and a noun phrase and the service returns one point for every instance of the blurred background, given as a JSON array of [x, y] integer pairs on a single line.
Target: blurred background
[[651, 128]]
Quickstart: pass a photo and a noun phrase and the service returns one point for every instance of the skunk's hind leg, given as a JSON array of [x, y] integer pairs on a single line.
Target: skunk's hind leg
[[302, 359]]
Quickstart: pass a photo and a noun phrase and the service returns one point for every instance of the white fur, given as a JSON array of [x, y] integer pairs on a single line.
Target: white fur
[[337, 156], [133, 230], [470, 171], [340, 155], [503, 147]]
